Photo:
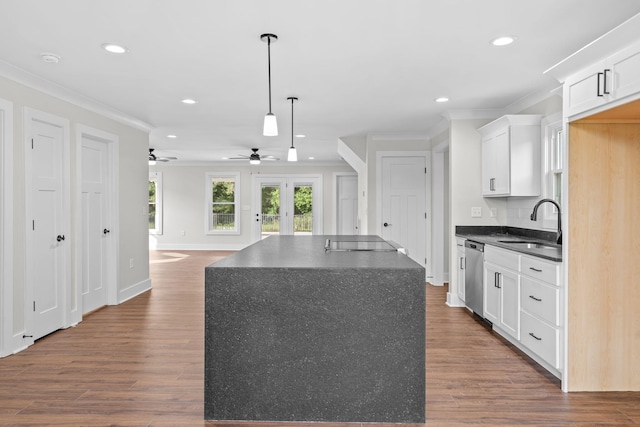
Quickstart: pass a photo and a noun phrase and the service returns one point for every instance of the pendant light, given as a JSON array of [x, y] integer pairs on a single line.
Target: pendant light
[[270, 124], [293, 154]]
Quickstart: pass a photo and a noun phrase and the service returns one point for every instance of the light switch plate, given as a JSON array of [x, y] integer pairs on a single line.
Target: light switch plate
[[476, 212]]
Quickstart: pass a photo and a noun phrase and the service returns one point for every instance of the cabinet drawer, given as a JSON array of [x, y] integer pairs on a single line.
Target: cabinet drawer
[[542, 339], [540, 300], [501, 257], [540, 269]]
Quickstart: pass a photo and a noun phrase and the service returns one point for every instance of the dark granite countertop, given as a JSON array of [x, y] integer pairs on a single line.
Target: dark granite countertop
[[493, 235], [309, 252]]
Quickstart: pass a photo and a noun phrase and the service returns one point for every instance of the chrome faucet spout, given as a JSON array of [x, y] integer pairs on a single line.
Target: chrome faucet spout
[[534, 216]]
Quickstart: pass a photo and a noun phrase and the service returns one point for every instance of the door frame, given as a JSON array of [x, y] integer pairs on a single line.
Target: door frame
[[318, 197], [427, 161], [8, 343], [336, 198], [69, 311], [441, 268], [112, 272]]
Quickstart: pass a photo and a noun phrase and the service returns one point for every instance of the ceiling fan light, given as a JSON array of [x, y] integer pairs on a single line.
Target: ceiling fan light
[[293, 155], [254, 161], [270, 125], [152, 162]]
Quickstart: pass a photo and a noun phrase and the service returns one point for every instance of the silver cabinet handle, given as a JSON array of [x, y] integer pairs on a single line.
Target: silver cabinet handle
[[492, 184]]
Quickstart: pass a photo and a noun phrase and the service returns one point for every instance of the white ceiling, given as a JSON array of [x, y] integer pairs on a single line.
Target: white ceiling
[[357, 66]]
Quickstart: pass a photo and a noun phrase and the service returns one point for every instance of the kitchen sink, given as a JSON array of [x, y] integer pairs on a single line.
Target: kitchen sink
[[529, 245]]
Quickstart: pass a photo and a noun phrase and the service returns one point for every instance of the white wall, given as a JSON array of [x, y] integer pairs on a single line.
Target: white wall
[[183, 195], [132, 191]]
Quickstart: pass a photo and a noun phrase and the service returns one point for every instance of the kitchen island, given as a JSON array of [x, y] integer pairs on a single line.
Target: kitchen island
[[294, 332]]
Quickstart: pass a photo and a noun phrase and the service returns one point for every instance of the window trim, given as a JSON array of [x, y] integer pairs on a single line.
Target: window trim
[[209, 177], [551, 125], [157, 178]]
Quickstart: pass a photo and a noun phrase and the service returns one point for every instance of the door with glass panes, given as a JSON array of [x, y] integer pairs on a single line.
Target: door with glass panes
[[287, 205]]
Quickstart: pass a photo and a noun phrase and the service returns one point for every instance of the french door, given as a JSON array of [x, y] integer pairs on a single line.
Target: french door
[[287, 205]]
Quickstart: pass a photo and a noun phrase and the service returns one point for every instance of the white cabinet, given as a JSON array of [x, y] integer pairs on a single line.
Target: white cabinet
[[461, 268], [502, 290], [541, 321], [511, 156], [606, 81]]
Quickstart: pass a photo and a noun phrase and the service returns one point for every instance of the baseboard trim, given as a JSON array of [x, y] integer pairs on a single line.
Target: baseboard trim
[[198, 247], [134, 290]]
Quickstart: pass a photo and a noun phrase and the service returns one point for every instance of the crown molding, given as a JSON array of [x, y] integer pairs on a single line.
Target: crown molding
[[398, 137], [533, 99], [473, 114], [48, 87]]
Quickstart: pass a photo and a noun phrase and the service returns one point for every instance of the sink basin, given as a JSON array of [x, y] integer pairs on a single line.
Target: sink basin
[[529, 245]]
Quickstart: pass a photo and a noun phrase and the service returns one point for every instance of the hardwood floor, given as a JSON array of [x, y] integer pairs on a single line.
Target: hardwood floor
[[141, 363]]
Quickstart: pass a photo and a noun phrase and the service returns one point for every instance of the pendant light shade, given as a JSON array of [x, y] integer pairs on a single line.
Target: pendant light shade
[[293, 154], [270, 123]]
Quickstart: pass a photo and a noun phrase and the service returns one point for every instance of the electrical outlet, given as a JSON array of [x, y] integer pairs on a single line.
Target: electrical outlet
[[131, 263], [494, 212], [476, 212], [182, 233]]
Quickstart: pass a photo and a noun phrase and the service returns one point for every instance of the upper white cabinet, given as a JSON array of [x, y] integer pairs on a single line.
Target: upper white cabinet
[[606, 81], [511, 156]]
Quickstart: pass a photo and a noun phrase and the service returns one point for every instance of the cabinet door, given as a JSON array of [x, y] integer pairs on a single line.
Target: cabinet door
[[585, 90], [624, 69], [491, 293], [510, 302], [496, 164]]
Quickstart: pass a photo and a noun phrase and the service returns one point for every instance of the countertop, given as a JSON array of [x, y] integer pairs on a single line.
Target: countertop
[[309, 252], [495, 235]]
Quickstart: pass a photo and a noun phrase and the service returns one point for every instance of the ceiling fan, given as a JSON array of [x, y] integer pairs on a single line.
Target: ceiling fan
[[254, 158], [154, 158]]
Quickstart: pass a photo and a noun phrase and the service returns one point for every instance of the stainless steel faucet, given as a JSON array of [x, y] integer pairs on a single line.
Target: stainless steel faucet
[[534, 216]]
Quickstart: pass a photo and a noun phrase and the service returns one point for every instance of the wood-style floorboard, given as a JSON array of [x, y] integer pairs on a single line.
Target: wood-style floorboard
[[141, 364]]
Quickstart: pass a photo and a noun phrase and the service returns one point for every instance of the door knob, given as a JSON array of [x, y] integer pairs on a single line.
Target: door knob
[[60, 238], [105, 231], [386, 224]]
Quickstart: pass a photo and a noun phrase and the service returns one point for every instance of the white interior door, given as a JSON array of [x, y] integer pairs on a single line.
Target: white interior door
[[95, 232], [48, 245], [347, 204], [403, 204]]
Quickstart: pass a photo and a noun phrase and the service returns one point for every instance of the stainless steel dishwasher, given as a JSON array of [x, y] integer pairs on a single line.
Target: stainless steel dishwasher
[[473, 283]]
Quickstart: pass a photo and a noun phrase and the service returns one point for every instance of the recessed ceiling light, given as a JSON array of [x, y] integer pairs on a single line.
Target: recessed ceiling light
[[442, 99], [312, 158], [503, 41], [114, 48], [189, 101], [301, 136], [171, 136], [50, 57]]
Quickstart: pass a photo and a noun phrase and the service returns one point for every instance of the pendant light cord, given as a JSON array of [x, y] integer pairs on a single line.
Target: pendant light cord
[[292, 99], [269, 66]]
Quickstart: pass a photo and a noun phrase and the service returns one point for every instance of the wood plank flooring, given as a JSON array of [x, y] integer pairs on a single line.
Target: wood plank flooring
[[141, 364]]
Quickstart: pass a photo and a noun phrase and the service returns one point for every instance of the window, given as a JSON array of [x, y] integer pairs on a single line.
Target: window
[[554, 166], [223, 199], [155, 203]]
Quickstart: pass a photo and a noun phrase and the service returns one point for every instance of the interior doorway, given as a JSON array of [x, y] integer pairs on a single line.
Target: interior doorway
[[404, 202], [49, 287], [346, 211], [98, 232]]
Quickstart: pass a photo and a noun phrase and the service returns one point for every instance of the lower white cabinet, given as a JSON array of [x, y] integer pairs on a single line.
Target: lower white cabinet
[[541, 338], [522, 299], [502, 290]]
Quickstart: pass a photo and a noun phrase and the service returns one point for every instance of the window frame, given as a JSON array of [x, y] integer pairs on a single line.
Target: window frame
[[209, 177], [157, 178], [552, 125]]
